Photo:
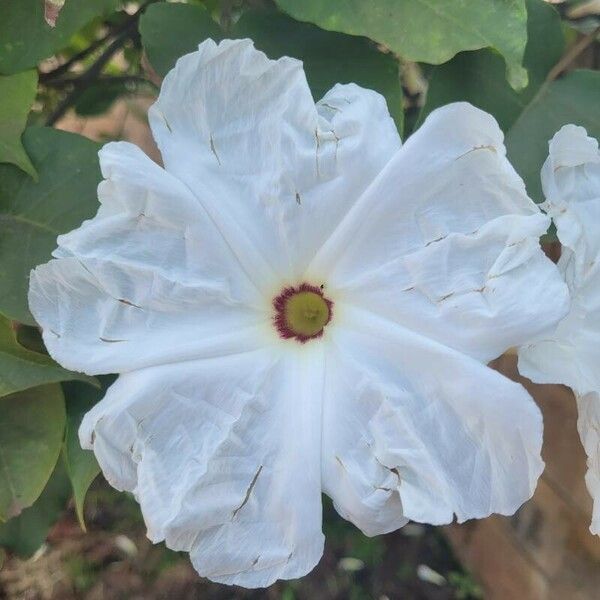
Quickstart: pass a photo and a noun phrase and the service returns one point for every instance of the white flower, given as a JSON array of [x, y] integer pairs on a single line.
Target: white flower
[[571, 354], [298, 305]]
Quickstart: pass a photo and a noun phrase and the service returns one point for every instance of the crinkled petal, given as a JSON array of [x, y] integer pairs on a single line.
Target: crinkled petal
[[274, 171], [223, 457], [569, 355], [149, 280], [356, 138], [571, 172], [363, 489], [446, 242], [571, 182], [414, 430]]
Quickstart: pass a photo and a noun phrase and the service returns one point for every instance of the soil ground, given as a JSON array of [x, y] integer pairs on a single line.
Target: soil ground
[[114, 561]]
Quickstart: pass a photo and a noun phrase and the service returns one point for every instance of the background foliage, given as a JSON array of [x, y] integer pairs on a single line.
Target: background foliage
[[530, 63]]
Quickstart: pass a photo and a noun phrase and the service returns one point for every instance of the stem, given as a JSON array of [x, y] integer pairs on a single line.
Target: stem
[[73, 81], [83, 80], [126, 31], [51, 76], [572, 54]]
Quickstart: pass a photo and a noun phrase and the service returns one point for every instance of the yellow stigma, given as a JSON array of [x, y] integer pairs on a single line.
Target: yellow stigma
[[306, 313]]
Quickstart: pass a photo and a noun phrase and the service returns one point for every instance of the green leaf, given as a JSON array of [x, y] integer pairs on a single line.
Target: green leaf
[[26, 38], [572, 99], [328, 57], [478, 77], [17, 93], [98, 97], [82, 467], [31, 436], [21, 368], [26, 533], [171, 30], [30, 337], [529, 118], [545, 43], [430, 31], [33, 214]]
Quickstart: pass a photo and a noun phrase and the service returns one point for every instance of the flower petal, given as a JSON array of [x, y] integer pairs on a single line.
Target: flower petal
[[413, 429], [223, 456], [569, 355], [356, 138], [446, 241], [274, 171], [571, 181], [572, 171], [148, 280]]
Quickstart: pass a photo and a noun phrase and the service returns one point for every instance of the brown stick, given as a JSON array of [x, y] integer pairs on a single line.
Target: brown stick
[[572, 54]]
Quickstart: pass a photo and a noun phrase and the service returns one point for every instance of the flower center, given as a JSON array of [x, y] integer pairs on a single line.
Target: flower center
[[301, 312]]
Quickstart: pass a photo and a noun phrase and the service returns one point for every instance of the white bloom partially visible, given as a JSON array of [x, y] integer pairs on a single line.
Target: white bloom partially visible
[[231, 415], [571, 355]]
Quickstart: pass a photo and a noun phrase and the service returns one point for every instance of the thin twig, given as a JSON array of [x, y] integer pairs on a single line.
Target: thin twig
[[126, 32], [73, 81], [50, 76], [566, 61], [62, 69], [83, 80]]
